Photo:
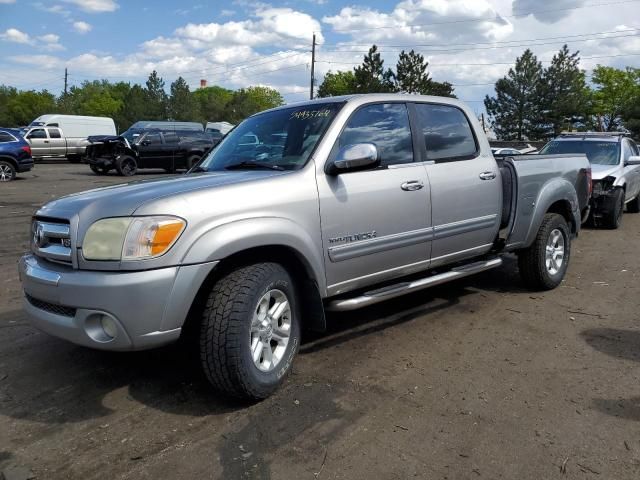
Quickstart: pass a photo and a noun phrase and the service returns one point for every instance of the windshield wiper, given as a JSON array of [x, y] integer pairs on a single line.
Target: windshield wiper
[[251, 164]]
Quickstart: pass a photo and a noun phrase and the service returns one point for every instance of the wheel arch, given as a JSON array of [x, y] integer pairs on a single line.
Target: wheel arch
[[11, 160]]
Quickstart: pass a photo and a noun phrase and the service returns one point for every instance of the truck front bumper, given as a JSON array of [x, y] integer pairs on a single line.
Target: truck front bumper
[[110, 310]]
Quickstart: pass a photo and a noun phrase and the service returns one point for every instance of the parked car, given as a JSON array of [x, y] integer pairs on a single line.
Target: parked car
[[135, 149], [368, 198], [505, 151], [615, 167], [15, 154], [167, 126], [65, 135]]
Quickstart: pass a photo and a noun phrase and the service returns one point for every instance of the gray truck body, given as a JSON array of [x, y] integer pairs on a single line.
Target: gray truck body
[[348, 232]]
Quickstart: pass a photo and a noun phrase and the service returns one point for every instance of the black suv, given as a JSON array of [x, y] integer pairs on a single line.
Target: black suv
[[147, 148]]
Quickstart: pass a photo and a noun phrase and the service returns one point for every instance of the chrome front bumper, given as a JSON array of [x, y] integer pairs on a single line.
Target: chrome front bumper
[[142, 309]]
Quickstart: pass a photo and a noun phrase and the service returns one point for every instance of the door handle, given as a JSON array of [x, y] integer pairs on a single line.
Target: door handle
[[412, 185], [46, 141], [487, 175]]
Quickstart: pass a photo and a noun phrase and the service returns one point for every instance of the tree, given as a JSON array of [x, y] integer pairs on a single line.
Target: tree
[[135, 108], [247, 101], [616, 90], [411, 74], [440, 89], [211, 103], [156, 98], [514, 112], [22, 107], [339, 83], [564, 95], [631, 116], [371, 76], [182, 105]]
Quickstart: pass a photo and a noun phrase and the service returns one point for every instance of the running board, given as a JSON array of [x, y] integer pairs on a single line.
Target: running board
[[398, 289]]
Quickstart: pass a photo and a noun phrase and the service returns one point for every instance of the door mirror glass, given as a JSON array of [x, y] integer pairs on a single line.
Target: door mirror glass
[[633, 160], [359, 156]]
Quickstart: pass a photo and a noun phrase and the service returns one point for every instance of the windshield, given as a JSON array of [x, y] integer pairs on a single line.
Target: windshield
[[280, 140], [131, 135], [599, 153]]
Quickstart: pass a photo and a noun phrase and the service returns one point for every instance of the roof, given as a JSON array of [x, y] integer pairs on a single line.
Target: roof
[[596, 136]]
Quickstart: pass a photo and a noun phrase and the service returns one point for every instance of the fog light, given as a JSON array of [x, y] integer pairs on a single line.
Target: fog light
[[109, 326]]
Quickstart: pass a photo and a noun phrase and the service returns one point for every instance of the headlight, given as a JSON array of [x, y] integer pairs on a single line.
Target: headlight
[[131, 238]]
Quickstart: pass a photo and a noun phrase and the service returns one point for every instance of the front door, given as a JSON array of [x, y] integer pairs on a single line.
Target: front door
[[375, 223], [466, 192], [39, 142], [150, 151]]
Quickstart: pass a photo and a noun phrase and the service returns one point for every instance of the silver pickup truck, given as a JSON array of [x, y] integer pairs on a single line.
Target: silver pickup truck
[[343, 203]]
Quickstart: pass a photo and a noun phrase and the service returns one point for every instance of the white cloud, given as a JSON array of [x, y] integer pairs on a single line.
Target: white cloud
[[57, 9], [558, 9], [14, 35], [49, 38], [95, 6], [6, 2], [82, 27]]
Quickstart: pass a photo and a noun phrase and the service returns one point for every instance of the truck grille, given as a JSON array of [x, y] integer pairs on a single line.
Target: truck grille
[[52, 307], [51, 239]]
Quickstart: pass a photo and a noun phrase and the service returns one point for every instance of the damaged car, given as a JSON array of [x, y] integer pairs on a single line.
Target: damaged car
[[154, 148], [615, 166]]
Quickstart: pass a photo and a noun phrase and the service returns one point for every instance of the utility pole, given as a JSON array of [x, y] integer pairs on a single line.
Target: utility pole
[[66, 77], [313, 64]]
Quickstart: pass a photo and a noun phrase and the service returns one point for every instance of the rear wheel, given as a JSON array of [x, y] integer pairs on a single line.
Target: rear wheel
[[7, 171], [543, 265], [613, 219], [192, 160], [634, 205], [126, 165], [250, 331]]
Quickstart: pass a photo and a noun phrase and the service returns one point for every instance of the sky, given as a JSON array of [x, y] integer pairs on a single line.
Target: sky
[[239, 43]]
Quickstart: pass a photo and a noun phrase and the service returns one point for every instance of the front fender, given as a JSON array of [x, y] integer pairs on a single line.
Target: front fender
[[222, 241]]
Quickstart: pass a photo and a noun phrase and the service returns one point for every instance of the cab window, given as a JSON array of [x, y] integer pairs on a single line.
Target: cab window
[[386, 125], [37, 133]]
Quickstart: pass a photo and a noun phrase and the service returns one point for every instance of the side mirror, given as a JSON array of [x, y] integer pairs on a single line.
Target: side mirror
[[359, 156], [633, 160]]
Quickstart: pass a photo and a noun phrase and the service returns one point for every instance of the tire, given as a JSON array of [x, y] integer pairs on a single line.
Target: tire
[[613, 219], [126, 165], [634, 205], [192, 160], [228, 334], [98, 170], [542, 270], [74, 158], [7, 171]]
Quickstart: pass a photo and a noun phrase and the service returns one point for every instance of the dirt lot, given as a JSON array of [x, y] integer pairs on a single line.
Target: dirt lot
[[478, 379]]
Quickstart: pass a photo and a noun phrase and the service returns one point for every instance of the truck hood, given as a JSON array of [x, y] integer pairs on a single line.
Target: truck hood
[[122, 200], [598, 172]]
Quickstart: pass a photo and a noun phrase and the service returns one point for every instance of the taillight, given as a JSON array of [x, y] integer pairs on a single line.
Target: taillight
[[27, 149], [589, 181]]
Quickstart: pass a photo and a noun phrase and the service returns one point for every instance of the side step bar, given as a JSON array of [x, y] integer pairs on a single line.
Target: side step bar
[[398, 289]]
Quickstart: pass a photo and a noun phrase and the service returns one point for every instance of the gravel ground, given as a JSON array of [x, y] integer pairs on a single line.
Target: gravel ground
[[476, 379]]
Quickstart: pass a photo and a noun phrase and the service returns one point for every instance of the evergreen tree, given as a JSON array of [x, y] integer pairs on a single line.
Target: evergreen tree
[[411, 74], [515, 110], [156, 98], [182, 105], [564, 95], [371, 76]]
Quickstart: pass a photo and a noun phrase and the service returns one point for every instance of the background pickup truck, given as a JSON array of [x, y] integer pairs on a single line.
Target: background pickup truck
[[341, 203], [134, 149]]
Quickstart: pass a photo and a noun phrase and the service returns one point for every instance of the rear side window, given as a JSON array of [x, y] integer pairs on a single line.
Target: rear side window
[[446, 133], [5, 137], [171, 137], [53, 132], [386, 126]]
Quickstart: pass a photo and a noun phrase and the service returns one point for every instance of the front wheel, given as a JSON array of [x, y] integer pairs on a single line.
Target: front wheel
[[250, 331], [613, 219], [543, 265], [126, 166], [98, 170], [634, 205]]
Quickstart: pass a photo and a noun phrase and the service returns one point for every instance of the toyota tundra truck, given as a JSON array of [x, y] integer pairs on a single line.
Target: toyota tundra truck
[[342, 203]]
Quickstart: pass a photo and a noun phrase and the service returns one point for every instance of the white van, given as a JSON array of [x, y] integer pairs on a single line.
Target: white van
[[54, 135], [222, 127]]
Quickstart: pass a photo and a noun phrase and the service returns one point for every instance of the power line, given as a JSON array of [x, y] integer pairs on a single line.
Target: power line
[[486, 19]]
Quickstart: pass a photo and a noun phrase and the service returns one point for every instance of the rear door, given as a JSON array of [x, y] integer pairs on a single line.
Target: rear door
[[39, 142], [466, 190], [375, 223], [57, 143]]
